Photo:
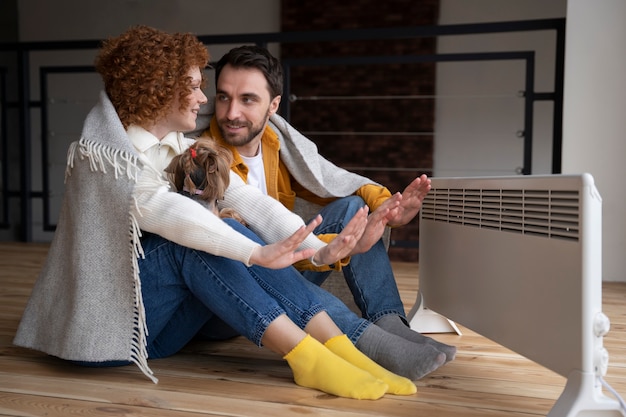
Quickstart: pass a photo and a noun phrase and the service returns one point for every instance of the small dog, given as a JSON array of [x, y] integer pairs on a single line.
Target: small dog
[[202, 173]]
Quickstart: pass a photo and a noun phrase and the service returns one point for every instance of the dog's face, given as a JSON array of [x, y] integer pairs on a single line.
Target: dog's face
[[202, 171]]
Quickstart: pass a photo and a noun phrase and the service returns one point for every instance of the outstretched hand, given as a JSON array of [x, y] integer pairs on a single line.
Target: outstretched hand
[[343, 245], [376, 223], [285, 252], [411, 203]]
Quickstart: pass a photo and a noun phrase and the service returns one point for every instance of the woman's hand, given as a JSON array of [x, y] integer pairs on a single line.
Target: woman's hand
[[284, 253]]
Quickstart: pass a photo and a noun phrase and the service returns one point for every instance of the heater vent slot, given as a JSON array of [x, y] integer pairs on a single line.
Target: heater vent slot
[[547, 213]]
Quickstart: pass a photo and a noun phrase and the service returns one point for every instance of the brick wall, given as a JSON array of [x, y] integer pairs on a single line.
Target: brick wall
[[392, 153]]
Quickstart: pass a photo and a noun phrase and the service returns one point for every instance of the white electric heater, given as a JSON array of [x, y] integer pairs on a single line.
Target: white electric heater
[[518, 260]]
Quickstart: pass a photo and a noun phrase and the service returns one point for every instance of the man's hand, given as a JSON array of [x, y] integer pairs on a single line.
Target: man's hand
[[284, 253], [411, 203], [343, 245], [376, 223]]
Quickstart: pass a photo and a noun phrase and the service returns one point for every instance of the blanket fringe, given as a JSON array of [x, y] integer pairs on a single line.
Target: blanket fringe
[[123, 164], [140, 339], [101, 156]]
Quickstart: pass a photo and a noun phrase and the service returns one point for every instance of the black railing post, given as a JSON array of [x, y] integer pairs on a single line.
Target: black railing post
[[26, 227], [529, 104], [557, 123]]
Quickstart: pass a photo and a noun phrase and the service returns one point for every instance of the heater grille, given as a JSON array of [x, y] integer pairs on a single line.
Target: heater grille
[[547, 213]]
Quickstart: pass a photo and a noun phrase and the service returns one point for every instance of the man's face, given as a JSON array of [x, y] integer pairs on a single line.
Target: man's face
[[243, 105]]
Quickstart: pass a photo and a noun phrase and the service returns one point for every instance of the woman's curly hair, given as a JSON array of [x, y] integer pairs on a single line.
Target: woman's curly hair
[[144, 68]]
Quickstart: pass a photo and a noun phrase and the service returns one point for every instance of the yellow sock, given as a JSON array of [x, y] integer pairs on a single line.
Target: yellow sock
[[343, 347], [314, 366]]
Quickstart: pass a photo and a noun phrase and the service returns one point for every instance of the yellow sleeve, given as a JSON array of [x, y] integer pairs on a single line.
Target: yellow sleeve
[[306, 265], [374, 195]]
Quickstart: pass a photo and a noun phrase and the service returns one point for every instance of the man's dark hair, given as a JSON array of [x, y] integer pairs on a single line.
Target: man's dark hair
[[252, 56]]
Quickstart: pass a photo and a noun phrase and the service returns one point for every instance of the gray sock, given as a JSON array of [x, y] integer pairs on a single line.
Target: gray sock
[[400, 356], [395, 325]]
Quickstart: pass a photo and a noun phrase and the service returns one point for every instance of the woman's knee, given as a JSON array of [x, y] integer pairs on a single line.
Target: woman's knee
[[238, 227]]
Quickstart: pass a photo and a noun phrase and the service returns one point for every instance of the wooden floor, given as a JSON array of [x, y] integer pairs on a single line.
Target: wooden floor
[[235, 378]]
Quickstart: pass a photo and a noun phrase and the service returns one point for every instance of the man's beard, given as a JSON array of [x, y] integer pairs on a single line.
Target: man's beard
[[237, 140]]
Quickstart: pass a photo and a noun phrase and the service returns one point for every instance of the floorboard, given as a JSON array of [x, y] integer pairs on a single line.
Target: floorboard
[[236, 378]]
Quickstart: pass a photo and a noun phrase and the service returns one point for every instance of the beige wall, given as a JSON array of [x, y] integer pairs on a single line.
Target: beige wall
[[594, 119], [91, 19]]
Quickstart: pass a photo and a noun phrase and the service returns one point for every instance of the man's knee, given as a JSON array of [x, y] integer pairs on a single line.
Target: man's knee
[[338, 213], [351, 204]]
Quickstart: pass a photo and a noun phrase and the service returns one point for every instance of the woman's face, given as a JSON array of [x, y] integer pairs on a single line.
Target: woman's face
[[184, 119]]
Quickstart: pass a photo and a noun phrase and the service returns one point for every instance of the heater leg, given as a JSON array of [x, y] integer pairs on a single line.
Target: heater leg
[[423, 320], [583, 397]]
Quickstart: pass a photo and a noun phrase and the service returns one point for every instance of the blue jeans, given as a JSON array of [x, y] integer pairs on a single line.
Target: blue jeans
[[368, 275], [189, 293]]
